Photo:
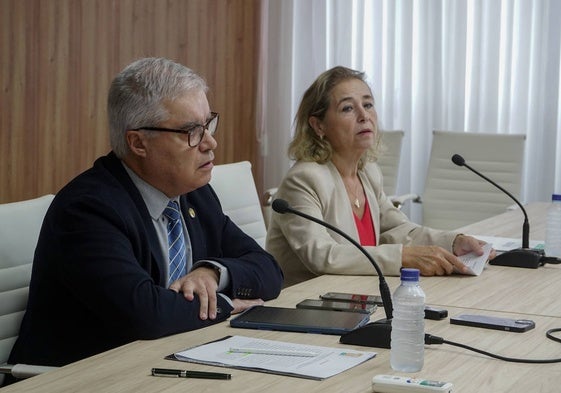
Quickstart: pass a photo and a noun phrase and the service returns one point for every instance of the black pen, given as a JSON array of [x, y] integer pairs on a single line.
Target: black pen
[[166, 372]]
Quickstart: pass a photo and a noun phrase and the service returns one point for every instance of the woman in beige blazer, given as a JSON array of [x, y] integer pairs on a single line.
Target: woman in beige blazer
[[335, 178]]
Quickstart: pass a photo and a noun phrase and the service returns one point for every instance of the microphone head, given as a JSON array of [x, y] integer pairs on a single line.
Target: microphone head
[[280, 206], [458, 160]]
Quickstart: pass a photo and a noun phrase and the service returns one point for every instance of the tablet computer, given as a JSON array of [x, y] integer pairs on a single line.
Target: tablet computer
[[300, 320]]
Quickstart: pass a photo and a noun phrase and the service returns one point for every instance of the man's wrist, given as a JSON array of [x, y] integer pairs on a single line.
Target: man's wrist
[[210, 265], [221, 272]]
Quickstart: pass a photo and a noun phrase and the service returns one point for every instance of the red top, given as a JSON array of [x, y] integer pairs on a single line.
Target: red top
[[365, 227]]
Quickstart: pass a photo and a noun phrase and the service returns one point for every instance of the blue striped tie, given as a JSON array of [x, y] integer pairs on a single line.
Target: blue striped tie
[[176, 242]]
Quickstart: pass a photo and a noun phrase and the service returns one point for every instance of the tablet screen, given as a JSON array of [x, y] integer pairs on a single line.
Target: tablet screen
[[300, 320]]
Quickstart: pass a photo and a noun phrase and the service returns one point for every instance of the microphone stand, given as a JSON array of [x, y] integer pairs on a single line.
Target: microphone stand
[[374, 334], [525, 256]]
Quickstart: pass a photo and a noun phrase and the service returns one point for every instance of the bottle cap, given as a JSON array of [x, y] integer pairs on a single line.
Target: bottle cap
[[556, 197], [410, 274]]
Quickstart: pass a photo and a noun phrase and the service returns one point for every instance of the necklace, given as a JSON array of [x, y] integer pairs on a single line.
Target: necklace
[[355, 195], [357, 202]]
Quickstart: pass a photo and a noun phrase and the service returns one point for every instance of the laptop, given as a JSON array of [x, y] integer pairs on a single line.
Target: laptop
[[300, 320]]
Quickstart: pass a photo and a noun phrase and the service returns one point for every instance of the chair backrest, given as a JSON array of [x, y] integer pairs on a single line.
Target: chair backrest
[[20, 223], [389, 159], [454, 196], [235, 187], [267, 202]]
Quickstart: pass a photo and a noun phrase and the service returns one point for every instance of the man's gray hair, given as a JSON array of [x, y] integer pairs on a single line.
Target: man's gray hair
[[137, 95]]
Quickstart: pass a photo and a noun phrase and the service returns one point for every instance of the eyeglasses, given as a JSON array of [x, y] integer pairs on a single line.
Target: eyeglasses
[[194, 133]]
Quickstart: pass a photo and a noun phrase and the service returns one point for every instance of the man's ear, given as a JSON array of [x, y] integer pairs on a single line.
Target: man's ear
[[136, 141], [315, 123]]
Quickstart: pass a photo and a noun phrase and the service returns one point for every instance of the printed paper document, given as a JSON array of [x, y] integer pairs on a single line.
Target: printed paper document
[[502, 244], [476, 263], [328, 362]]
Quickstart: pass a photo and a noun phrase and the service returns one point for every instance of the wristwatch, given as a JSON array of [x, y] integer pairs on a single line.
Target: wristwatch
[[210, 265]]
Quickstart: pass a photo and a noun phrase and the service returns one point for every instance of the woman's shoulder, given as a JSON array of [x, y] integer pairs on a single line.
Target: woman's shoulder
[[308, 174], [307, 167]]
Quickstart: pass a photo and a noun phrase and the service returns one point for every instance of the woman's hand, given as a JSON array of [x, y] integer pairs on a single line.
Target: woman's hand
[[436, 261], [431, 260]]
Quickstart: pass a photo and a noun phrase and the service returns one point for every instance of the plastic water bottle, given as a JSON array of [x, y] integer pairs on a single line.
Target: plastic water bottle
[[408, 324], [553, 228]]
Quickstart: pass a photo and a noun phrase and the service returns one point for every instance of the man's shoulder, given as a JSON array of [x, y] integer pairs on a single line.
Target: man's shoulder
[[104, 184], [96, 180]]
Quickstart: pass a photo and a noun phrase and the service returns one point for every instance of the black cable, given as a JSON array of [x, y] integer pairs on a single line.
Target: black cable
[[430, 339], [550, 260], [549, 334]]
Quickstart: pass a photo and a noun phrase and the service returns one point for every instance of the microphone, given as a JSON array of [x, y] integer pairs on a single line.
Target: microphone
[[522, 257], [374, 334]]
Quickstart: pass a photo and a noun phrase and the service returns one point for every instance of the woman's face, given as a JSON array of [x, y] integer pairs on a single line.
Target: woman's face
[[350, 122]]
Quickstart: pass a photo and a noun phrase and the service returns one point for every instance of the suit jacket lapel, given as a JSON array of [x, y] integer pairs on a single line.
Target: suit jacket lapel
[[193, 223], [116, 168]]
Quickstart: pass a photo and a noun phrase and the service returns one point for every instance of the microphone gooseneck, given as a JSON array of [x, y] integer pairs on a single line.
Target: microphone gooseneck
[[522, 257], [375, 334], [459, 160]]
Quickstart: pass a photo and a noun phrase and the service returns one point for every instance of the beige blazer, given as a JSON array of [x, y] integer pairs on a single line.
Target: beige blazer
[[305, 249]]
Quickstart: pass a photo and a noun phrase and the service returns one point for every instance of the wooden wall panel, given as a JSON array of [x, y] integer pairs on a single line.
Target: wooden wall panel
[[57, 59]]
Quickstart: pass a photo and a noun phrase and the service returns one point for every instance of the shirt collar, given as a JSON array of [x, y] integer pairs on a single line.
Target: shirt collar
[[155, 200]]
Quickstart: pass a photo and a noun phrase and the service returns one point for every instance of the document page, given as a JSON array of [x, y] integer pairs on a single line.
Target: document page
[[277, 357], [477, 263], [503, 244]]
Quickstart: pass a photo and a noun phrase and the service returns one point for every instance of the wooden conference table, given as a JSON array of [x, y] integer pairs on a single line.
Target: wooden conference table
[[499, 291]]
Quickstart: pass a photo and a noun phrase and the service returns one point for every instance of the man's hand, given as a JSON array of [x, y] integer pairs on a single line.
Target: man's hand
[[202, 281]]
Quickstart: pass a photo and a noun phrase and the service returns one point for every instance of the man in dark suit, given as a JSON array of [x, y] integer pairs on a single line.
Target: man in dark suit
[[101, 274]]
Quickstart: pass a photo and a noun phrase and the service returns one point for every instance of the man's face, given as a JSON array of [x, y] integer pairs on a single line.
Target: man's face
[[168, 162]]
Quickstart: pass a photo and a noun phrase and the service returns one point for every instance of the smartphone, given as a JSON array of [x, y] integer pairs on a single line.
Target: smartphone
[[488, 322], [353, 297], [363, 308]]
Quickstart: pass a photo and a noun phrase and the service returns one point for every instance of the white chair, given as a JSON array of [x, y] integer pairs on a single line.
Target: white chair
[[389, 159], [20, 223], [268, 198], [454, 196], [235, 187]]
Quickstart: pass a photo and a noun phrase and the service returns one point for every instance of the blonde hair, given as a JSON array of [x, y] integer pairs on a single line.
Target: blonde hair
[[306, 145]]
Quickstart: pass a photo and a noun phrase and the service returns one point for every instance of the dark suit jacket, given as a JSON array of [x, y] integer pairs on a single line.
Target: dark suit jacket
[[98, 278]]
